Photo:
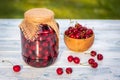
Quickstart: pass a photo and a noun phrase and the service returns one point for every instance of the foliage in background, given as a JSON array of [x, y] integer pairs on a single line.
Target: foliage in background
[[79, 9]]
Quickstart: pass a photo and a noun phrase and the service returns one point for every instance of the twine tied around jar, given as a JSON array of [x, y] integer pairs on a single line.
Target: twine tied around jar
[[33, 18]]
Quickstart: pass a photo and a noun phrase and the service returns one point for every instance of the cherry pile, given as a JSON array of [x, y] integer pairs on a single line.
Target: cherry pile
[[43, 51], [90, 61], [78, 32]]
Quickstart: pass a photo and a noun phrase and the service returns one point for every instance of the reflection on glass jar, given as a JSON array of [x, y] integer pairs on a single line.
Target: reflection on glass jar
[[43, 51]]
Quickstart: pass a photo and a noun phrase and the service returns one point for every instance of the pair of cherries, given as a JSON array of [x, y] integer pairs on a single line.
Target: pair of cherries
[[60, 70]]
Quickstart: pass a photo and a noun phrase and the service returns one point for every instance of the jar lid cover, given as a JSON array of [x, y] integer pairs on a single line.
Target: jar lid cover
[[33, 18]]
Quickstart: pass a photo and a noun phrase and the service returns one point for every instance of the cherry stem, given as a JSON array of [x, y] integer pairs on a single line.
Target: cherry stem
[[85, 24], [71, 22], [84, 64], [86, 53], [76, 22], [7, 61]]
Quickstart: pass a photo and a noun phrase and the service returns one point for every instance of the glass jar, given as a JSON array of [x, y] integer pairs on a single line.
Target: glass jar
[[41, 51]]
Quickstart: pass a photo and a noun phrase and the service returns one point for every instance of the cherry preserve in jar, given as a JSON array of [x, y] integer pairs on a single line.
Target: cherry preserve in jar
[[39, 37]]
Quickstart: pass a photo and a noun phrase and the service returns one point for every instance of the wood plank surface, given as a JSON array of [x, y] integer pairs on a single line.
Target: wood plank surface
[[107, 42]]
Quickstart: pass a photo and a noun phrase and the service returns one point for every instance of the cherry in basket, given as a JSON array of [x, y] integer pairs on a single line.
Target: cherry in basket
[[78, 38]]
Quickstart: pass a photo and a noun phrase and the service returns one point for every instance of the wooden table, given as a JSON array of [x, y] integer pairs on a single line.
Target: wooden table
[[107, 42]]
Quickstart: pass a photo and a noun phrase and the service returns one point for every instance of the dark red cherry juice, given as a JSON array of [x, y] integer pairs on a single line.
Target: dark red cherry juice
[[43, 51]]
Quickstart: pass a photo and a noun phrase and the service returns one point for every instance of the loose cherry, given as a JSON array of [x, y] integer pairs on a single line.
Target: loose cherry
[[16, 68], [93, 53], [91, 61], [69, 70], [70, 58], [76, 60], [99, 57], [94, 65], [59, 71]]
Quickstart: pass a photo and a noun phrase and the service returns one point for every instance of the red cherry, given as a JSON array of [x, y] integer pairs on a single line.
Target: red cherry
[[81, 29], [40, 55], [93, 53], [84, 28], [40, 38], [77, 36], [33, 56], [94, 65], [69, 32], [72, 36], [91, 61], [48, 39], [82, 35], [46, 52], [76, 60], [70, 58], [75, 30], [51, 30], [33, 47], [59, 71], [45, 63], [45, 57], [89, 32], [46, 32], [69, 70], [45, 44], [40, 48], [66, 32], [26, 45], [86, 36], [99, 57], [70, 28], [77, 25], [30, 52], [16, 68]]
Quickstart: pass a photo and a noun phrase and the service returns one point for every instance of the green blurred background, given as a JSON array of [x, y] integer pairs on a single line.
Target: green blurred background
[[70, 9]]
